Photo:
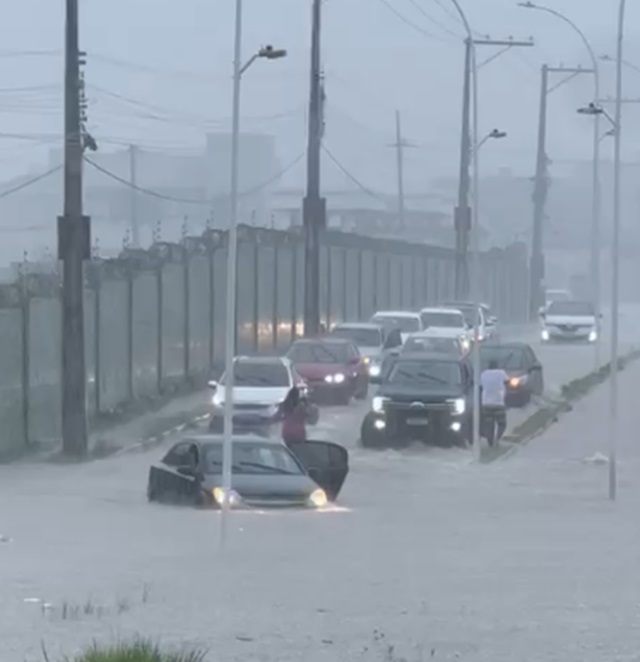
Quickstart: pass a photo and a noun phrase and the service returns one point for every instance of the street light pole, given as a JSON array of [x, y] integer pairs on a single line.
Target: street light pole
[[615, 266], [232, 263], [595, 172]]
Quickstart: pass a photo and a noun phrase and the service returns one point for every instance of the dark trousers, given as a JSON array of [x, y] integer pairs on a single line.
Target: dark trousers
[[497, 414]]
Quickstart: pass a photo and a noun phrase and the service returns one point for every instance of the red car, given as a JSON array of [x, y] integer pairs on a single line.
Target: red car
[[331, 367]]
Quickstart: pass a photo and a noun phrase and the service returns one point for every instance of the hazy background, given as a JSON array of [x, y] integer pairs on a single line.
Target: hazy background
[[158, 76]]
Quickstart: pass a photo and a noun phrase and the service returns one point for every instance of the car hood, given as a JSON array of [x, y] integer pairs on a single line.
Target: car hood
[[256, 395], [411, 394], [265, 485], [319, 370], [571, 320]]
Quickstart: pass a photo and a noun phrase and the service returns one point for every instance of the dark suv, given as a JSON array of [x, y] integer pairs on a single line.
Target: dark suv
[[425, 397]]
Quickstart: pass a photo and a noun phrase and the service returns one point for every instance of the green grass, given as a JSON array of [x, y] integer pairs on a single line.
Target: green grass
[[137, 651]]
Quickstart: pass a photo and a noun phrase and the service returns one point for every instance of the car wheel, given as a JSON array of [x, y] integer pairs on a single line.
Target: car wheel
[[343, 396], [363, 391], [369, 436]]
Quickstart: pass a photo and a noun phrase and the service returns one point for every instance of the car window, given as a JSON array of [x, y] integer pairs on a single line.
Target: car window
[[182, 455], [362, 337], [420, 344], [316, 352], [426, 375], [252, 458], [442, 319], [259, 373], [570, 308], [401, 322], [508, 358]]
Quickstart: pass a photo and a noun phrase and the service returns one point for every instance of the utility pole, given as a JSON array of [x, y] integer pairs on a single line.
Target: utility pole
[[133, 179], [74, 246], [540, 190], [462, 211], [541, 185], [314, 211], [400, 145]]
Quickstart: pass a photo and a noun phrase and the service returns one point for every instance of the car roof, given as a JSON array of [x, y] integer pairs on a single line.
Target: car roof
[[262, 359], [323, 340], [463, 304], [436, 357], [237, 439], [358, 325], [441, 309], [431, 333], [396, 313]]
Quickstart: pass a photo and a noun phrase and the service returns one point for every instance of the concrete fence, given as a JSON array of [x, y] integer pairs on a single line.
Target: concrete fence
[[154, 320]]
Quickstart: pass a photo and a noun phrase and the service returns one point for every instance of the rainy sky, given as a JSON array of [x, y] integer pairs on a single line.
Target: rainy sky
[[158, 75]]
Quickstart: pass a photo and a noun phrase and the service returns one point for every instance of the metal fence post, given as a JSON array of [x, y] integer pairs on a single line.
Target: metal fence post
[[186, 284], [160, 326], [276, 298], [25, 317], [96, 284], [360, 284], [130, 340]]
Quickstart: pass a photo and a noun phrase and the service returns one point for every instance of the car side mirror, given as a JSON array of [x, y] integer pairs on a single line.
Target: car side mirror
[[535, 367], [543, 315], [541, 311], [187, 470], [212, 384], [354, 360], [493, 320]]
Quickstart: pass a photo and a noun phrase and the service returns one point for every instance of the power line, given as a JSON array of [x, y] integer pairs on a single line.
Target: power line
[[353, 178], [191, 201], [433, 20], [411, 24], [30, 182]]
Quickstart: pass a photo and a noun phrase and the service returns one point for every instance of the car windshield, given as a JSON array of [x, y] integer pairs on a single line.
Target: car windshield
[[318, 352], [403, 323], [446, 320], [570, 308], [418, 344], [252, 458], [259, 373], [469, 312], [557, 295], [427, 375], [361, 336], [508, 358]]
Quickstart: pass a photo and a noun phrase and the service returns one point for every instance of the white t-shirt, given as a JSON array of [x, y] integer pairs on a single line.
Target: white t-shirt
[[493, 383]]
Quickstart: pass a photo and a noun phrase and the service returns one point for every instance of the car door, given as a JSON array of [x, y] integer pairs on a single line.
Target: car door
[[326, 463], [179, 481], [535, 372]]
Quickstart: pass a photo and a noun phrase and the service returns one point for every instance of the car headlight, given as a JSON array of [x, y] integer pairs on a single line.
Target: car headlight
[[377, 404], [318, 499], [593, 335], [514, 382], [217, 401], [544, 334], [220, 496], [334, 379], [459, 406], [374, 370], [366, 360], [464, 341]]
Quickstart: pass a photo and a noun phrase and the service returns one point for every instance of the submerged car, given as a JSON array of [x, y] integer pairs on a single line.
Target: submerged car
[[404, 321], [569, 321], [264, 473], [431, 341], [332, 368], [525, 371], [260, 386], [425, 397]]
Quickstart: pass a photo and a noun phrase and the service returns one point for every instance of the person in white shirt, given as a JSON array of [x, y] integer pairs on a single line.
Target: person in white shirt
[[493, 390]]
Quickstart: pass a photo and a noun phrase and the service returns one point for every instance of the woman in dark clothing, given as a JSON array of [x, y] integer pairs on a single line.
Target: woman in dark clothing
[[294, 417]]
